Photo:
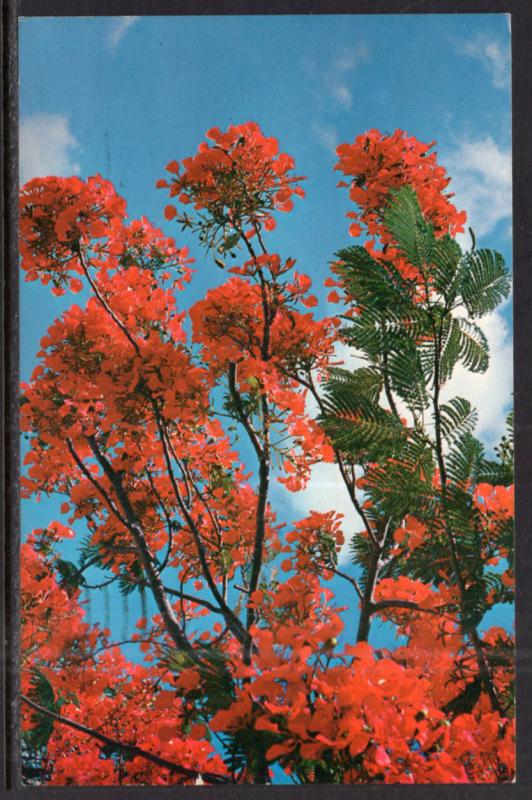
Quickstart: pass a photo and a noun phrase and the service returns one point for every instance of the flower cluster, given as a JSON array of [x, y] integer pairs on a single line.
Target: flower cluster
[[239, 179], [94, 685], [358, 714], [63, 221], [377, 164], [57, 215]]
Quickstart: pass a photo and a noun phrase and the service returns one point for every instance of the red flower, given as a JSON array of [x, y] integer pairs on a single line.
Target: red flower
[[240, 178]]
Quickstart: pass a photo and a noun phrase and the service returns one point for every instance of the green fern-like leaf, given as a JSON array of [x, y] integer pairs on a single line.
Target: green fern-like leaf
[[365, 381], [216, 688], [132, 579], [356, 424], [362, 439], [485, 281], [446, 255], [465, 459], [457, 418], [398, 490], [404, 220], [498, 473], [465, 342], [474, 349], [373, 284], [361, 552], [41, 691], [405, 370]]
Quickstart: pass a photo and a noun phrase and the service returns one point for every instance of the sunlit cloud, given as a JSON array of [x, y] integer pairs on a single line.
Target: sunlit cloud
[[491, 392], [47, 146], [493, 55], [482, 182]]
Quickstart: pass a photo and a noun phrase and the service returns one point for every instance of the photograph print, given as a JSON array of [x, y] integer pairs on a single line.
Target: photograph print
[[266, 400]]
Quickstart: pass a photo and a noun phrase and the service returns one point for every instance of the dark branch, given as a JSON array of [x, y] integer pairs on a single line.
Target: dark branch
[[232, 620], [99, 488], [145, 552], [103, 302], [167, 519], [132, 750], [242, 416]]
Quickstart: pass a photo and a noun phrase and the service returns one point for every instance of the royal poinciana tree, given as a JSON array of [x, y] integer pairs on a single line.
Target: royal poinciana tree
[[249, 662]]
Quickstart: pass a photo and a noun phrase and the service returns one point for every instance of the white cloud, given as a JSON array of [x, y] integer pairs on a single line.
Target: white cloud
[[347, 357], [325, 491], [494, 57], [333, 78], [47, 146], [341, 93], [350, 58], [482, 182], [491, 392], [118, 29], [337, 75], [327, 135]]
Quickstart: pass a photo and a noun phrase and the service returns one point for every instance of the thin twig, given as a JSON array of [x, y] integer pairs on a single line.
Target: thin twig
[[169, 527]]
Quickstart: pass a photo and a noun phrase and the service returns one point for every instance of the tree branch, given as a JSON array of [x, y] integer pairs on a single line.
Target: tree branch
[[382, 605], [103, 302], [232, 620], [235, 394], [468, 629], [147, 557], [169, 528], [346, 577], [133, 750], [194, 599], [103, 492]]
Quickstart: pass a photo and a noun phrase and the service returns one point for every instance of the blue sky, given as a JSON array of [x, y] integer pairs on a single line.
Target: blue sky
[[123, 96]]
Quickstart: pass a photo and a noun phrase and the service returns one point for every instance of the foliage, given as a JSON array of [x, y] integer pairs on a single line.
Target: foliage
[[248, 661]]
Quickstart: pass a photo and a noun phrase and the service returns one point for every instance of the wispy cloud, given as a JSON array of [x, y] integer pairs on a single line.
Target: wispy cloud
[[47, 146], [342, 94], [327, 135], [482, 182], [118, 29], [493, 55], [349, 59], [338, 76], [332, 78], [332, 85]]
